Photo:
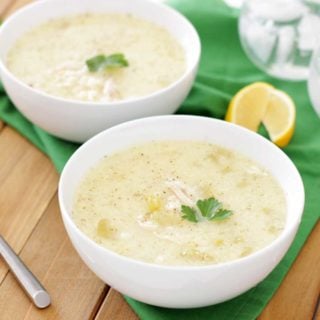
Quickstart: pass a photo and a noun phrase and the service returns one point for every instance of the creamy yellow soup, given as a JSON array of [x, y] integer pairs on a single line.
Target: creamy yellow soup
[[131, 203], [52, 57]]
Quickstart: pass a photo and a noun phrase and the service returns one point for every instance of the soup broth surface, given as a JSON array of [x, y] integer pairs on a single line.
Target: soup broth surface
[[52, 57], [130, 202]]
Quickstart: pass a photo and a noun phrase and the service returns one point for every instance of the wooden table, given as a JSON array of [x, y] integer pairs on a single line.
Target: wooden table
[[30, 221]]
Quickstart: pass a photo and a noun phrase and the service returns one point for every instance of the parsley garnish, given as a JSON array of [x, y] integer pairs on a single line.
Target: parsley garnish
[[207, 209], [116, 60], [189, 213]]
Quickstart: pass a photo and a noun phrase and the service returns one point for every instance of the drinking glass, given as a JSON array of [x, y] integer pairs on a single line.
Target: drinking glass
[[279, 36], [314, 80], [234, 3]]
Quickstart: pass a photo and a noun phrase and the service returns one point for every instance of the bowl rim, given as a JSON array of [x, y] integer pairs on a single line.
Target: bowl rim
[[282, 237], [88, 104]]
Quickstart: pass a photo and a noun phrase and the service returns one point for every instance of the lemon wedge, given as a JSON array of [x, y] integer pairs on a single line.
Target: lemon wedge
[[261, 103], [280, 118]]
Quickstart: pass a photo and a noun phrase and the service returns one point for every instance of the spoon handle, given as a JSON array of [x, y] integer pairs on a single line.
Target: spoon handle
[[28, 281]]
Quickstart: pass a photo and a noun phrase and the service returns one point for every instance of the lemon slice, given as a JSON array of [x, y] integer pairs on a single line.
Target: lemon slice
[[261, 103], [280, 117], [249, 105]]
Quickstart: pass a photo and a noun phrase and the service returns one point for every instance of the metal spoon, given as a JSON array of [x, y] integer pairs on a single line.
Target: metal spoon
[[27, 280]]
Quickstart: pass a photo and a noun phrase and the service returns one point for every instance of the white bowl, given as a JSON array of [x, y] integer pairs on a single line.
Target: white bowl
[[182, 286], [78, 121]]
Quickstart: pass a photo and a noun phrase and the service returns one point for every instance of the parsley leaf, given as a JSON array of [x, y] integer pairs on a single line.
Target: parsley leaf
[[222, 214], [207, 209], [116, 60], [189, 213]]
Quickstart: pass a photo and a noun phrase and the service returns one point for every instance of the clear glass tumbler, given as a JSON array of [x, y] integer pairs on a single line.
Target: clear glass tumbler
[[279, 36], [314, 80], [234, 3]]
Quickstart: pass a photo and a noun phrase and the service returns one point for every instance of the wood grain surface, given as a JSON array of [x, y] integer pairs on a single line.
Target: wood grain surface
[[30, 221], [4, 6], [115, 307], [28, 182]]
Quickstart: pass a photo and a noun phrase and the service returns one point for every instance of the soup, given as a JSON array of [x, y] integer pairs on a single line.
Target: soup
[[52, 57], [180, 203]]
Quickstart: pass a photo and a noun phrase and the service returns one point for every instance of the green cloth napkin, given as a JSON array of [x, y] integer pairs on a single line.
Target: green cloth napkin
[[224, 69]]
